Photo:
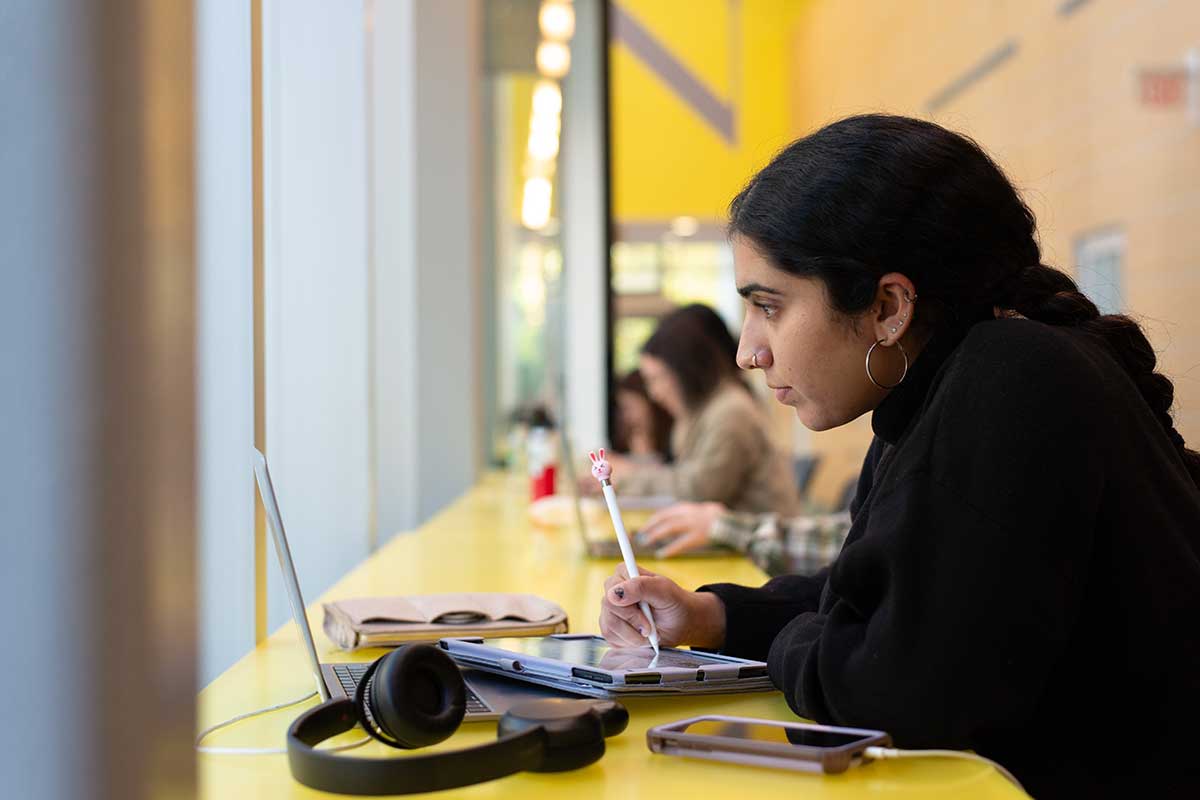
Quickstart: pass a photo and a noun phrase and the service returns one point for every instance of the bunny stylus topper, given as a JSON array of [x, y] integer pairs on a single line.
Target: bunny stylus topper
[[601, 469]]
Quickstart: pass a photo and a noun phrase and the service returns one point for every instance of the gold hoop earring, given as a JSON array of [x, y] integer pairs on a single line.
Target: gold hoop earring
[[870, 350]]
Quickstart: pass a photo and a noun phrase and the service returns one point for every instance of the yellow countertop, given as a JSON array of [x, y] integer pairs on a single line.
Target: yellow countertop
[[484, 542]]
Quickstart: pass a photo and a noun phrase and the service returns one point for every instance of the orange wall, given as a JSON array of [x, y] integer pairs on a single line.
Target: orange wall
[[1062, 116]]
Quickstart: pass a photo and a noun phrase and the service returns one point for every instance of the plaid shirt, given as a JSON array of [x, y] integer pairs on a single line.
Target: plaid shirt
[[787, 545]]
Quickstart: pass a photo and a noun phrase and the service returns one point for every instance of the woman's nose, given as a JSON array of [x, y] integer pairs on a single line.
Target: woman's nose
[[753, 351], [752, 357]]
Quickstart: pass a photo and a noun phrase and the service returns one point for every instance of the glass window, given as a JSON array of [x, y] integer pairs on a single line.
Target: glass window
[[1100, 258]]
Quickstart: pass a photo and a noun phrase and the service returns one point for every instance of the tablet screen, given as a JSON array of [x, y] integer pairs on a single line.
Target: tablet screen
[[598, 653]]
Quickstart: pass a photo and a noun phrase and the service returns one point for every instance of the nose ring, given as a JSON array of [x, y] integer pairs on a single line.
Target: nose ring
[[754, 360]]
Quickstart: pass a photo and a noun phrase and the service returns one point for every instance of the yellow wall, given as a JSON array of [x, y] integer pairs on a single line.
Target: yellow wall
[[666, 160], [1062, 116]]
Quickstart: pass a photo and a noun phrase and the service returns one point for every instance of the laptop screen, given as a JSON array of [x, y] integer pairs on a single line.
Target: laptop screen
[[266, 490], [571, 478]]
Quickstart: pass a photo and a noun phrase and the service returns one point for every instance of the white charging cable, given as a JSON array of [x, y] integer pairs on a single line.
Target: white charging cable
[[262, 751], [881, 753]]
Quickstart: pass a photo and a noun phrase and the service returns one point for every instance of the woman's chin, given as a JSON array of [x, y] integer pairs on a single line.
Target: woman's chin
[[816, 419]]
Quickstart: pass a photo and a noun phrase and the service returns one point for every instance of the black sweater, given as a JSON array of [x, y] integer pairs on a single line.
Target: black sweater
[[1022, 577]]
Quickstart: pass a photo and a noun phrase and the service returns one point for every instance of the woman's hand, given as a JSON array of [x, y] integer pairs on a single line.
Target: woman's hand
[[681, 527], [681, 617]]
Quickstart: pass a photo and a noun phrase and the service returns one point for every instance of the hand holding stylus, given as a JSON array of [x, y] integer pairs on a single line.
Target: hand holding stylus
[[682, 617], [602, 471]]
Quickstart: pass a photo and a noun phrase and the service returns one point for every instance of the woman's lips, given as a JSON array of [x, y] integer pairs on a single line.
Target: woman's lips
[[781, 393]]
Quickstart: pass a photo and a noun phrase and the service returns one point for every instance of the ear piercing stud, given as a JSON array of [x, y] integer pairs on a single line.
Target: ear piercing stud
[[904, 317]]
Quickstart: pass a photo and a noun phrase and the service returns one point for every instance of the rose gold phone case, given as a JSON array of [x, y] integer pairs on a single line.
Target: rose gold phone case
[[671, 739]]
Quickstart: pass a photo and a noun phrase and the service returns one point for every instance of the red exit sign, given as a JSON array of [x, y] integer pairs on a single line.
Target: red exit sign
[[1163, 88], [1174, 86]]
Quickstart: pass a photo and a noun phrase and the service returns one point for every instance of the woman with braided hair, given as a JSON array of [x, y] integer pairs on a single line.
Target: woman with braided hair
[[1023, 567]]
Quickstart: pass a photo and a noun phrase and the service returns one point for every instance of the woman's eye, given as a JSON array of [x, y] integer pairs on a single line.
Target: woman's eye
[[768, 311]]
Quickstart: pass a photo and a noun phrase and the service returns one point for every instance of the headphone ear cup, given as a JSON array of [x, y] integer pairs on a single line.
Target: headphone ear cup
[[412, 697], [574, 729]]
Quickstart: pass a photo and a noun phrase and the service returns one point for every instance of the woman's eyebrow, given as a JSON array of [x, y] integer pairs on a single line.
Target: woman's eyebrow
[[751, 288]]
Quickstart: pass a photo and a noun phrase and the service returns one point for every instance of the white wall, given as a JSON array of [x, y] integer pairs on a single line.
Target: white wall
[[225, 315], [315, 275]]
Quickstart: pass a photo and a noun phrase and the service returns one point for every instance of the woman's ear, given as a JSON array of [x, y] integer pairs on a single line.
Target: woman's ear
[[894, 311]]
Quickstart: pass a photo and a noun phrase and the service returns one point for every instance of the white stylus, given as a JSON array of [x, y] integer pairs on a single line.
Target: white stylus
[[602, 470]]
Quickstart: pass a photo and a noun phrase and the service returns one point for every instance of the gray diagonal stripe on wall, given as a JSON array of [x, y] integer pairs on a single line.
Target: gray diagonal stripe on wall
[[631, 33]]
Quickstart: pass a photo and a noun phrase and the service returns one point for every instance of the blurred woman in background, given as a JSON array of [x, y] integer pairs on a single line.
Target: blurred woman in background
[[643, 429], [721, 438]]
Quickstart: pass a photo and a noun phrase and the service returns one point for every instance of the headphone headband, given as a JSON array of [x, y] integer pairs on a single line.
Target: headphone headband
[[414, 696], [330, 772], [549, 735]]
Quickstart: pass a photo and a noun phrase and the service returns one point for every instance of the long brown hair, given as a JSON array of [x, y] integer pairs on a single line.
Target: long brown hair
[[698, 348], [660, 421]]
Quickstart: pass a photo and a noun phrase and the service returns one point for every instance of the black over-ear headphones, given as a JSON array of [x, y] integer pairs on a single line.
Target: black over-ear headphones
[[413, 697]]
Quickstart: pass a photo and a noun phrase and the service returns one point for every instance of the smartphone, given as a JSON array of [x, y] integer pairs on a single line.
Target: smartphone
[[766, 743]]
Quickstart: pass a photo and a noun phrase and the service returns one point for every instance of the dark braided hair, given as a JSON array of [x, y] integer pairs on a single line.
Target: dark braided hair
[[878, 193]]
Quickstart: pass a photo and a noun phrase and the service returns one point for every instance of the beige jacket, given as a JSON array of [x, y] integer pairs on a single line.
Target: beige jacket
[[723, 453]]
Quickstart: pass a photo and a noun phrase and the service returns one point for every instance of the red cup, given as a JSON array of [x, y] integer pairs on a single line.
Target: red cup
[[542, 485]]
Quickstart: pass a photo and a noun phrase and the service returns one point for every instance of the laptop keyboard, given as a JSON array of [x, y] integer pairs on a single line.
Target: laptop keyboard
[[474, 704], [349, 676]]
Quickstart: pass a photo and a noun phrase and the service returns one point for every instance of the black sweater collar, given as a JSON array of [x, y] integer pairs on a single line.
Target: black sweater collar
[[892, 416]]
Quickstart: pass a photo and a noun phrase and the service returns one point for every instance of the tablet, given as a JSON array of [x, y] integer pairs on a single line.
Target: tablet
[[589, 664]]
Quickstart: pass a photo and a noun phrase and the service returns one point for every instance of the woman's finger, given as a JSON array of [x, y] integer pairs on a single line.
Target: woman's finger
[[620, 575], [664, 514], [618, 632], [665, 529], [684, 544], [630, 614]]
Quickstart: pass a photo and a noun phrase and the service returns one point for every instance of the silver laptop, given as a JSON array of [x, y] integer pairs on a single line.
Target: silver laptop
[[488, 696], [607, 546]]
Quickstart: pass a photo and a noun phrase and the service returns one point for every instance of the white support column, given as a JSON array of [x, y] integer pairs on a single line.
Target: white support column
[[584, 220], [316, 287], [395, 306], [426, 162], [225, 318]]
